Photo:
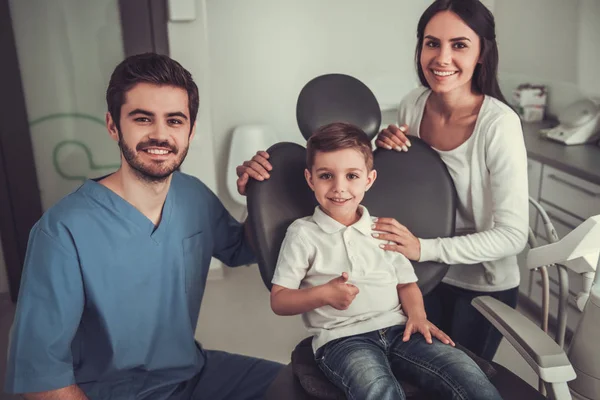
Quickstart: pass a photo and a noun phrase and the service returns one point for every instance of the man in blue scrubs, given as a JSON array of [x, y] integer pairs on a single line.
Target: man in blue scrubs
[[115, 272]]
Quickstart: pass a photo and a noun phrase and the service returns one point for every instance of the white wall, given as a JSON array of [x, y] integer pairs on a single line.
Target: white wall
[[551, 42], [536, 38], [589, 47]]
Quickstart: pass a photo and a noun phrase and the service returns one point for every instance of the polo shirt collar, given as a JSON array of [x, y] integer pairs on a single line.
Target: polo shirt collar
[[330, 225]]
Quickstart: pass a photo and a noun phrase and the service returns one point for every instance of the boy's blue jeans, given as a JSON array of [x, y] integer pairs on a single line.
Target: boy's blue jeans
[[361, 365]]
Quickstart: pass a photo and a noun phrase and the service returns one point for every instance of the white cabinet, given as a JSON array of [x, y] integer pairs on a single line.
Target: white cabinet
[[573, 195]]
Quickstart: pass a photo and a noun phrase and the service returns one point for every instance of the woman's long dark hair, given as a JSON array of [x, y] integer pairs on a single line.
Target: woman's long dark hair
[[481, 20]]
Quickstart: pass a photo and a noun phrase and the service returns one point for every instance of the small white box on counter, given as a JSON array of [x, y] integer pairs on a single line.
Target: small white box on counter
[[530, 101]]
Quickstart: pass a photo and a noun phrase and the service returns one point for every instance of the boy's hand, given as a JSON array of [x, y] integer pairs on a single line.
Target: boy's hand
[[340, 294], [426, 328]]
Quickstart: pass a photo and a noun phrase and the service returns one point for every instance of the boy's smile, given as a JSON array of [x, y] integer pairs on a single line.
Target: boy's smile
[[340, 201], [339, 180]]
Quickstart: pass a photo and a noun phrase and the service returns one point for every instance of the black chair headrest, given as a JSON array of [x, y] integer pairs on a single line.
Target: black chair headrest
[[337, 98]]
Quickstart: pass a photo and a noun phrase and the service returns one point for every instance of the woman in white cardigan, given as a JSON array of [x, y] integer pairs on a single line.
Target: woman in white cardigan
[[461, 113]]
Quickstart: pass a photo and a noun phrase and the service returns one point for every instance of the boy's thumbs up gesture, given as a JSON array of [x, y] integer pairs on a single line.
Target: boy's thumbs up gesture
[[340, 293]]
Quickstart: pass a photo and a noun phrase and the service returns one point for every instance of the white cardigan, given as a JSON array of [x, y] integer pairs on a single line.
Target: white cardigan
[[486, 259]]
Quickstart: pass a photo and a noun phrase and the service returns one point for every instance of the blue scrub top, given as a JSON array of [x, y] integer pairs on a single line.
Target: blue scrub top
[[109, 301]]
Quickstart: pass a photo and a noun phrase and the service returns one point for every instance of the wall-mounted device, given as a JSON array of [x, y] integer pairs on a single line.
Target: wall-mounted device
[[578, 123]]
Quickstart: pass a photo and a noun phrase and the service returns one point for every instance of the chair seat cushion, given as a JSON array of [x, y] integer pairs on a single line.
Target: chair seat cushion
[[316, 384]]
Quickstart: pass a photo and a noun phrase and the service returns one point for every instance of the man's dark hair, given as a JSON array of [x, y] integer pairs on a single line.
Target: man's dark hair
[[149, 68]]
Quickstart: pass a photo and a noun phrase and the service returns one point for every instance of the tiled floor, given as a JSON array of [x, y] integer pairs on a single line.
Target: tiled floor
[[236, 317]]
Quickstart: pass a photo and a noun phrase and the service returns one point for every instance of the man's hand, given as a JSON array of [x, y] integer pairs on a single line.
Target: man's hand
[[425, 328], [257, 168], [340, 294]]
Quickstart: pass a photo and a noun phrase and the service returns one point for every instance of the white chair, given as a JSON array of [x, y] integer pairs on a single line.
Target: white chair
[[246, 140]]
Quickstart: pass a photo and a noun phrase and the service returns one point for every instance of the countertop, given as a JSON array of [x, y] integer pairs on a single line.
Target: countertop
[[582, 161]]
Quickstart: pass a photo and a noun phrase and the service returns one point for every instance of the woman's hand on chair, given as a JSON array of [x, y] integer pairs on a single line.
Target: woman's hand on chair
[[257, 168], [402, 240], [426, 328], [394, 138]]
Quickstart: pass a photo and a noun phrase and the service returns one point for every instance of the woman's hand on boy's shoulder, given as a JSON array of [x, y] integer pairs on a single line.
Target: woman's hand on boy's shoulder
[[426, 328], [257, 168], [394, 138], [397, 238]]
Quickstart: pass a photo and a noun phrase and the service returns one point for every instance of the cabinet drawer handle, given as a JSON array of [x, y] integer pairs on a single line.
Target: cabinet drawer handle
[[574, 186], [559, 220]]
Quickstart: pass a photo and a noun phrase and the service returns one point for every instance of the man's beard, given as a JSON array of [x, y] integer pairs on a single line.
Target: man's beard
[[152, 172]]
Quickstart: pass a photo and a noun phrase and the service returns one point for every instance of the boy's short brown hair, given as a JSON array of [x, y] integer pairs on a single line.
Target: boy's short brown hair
[[339, 136]]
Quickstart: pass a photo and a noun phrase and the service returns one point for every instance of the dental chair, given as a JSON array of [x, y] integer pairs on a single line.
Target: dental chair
[[576, 374], [413, 187]]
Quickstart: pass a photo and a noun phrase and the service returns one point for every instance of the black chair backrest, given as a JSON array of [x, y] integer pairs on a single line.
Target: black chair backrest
[[413, 187]]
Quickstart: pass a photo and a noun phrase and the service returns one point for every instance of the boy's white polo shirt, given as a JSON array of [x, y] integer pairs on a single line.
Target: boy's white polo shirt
[[317, 249]]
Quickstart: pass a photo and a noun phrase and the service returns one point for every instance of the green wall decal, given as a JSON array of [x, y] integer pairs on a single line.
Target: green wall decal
[[80, 176], [67, 115]]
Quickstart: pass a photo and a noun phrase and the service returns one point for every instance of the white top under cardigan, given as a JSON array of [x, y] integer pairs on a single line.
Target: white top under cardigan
[[489, 171]]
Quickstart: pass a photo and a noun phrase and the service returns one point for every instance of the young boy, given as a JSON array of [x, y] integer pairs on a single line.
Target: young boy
[[359, 301]]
